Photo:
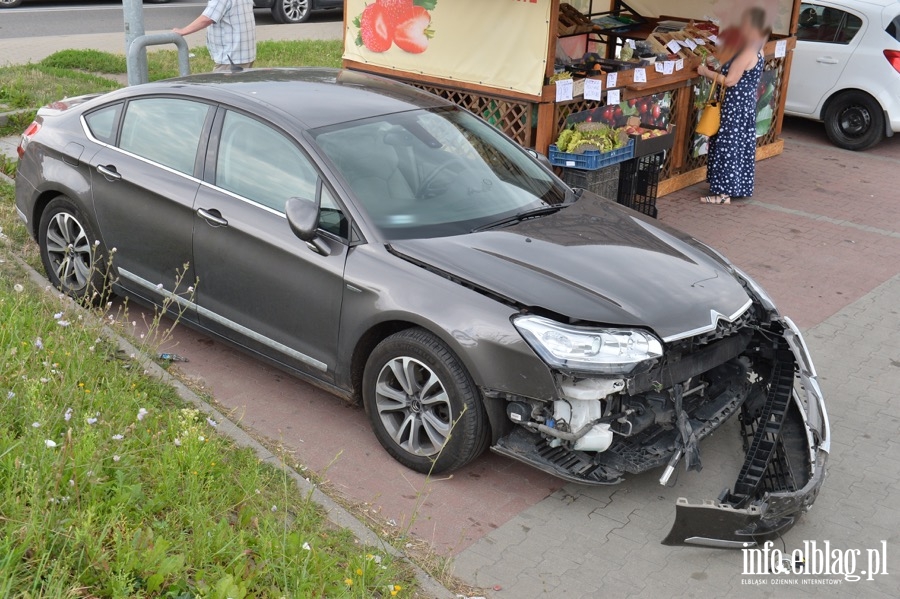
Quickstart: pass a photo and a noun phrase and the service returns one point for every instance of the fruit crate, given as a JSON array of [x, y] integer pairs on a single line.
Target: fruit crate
[[604, 182], [639, 183], [591, 160]]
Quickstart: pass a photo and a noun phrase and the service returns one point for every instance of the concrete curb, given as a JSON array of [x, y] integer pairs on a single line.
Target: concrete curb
[[428, 586]]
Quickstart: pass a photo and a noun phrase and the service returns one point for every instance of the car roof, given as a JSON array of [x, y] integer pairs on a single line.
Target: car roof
[[317, 97]]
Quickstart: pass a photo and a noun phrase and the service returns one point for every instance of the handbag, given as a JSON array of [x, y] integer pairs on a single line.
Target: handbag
[[711, 117]]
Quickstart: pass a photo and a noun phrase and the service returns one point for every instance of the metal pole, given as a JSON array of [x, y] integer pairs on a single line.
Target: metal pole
[[134, 28]]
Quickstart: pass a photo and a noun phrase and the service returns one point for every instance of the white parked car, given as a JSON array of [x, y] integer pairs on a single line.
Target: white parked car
[[846, 69]]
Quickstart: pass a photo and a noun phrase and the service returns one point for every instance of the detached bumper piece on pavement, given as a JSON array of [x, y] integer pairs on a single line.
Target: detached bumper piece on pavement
[[760, 370]]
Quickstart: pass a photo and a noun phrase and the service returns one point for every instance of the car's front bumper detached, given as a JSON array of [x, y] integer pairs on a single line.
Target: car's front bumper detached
[[787, 439]]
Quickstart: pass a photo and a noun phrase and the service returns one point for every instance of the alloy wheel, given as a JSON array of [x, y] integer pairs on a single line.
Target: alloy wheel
[[295, 10], [413, 406], [70, 251]]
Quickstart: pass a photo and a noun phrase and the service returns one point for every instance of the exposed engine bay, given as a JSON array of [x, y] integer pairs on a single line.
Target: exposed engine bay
[[600, 428]]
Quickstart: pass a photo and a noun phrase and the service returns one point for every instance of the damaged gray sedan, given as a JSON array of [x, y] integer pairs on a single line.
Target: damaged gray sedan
[[399, 251]]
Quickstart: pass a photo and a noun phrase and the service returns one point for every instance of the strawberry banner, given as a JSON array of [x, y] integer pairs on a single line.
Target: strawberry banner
[[499, 43]]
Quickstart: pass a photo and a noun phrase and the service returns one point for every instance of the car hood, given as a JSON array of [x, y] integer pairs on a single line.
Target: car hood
[[594, 262]]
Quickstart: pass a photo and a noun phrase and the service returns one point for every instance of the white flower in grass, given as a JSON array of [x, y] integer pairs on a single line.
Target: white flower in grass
[[63, 323], [212, 423], [44, 380], [10, 395], [142, 413], [91, 348], [35, 425], [307, 547], [57, 316], [18, 288], [71, 482], [116, 458], [50, 443], [202, 438], [92, 421], [177, 442], [39, 343], [191, 289], [274, 508], [118, 437], [68, 415]]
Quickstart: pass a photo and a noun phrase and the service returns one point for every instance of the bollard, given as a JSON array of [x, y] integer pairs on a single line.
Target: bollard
[[136, 58]]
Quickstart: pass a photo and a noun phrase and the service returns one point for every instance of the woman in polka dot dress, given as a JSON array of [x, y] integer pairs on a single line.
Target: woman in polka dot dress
[[731, 163]]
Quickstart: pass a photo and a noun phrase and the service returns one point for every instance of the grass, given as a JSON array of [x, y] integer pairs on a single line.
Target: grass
[[76, 72], [111, 487]]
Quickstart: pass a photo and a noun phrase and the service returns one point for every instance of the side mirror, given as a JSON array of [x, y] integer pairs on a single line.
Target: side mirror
[[541, 158], [303, 218]]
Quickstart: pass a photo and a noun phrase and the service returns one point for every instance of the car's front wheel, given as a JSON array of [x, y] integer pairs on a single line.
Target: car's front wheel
[[292, 11], [10, 3], [424, 407], [73, 257], [854, 120]]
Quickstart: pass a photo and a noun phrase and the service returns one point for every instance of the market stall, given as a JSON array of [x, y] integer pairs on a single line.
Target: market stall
[[536, 67]]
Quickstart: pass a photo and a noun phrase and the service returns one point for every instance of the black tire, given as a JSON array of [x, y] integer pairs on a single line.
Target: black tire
[[854, 120], [10, 3], [73, 257], [461, 415], [291, 11]]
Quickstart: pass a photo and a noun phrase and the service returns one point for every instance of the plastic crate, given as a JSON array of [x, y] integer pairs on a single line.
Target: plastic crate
[[604, 182], [639, 183], [591, 160]]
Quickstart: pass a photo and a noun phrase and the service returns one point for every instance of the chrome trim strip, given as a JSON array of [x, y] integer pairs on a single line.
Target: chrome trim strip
[[22, 215], [715, 317], [279, 347], [719, 543]]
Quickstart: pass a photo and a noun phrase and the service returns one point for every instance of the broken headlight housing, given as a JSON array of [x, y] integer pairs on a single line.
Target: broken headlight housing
[[588, 349]]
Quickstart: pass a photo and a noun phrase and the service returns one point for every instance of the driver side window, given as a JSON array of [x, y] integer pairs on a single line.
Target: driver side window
[[259, 163]]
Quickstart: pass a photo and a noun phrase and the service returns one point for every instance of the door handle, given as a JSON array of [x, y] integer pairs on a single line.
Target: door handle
[[213, 217], [826, 60], [109, 172]]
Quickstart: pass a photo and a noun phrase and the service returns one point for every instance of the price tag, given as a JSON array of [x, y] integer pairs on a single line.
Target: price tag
[[611, 80], [679, 64], [699, 41], [668, 67], [631, 44], [658, 67], [673, 46], [563, 90], [780, 48], [570, 163], [714, 39], [691, 45], [640, 75], [613, 97], [593, 89]]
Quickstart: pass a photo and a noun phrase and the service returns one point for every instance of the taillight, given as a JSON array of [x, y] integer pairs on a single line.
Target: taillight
[[893, 57], [32, 129]]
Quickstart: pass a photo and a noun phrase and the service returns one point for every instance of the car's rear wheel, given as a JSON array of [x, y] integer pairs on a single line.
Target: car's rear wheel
[[292, 11], [424, 407], [10, 3], [73, 257], [854, 120]]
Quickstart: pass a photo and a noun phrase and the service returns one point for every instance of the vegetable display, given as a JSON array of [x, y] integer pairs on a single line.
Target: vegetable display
[[591, 136]]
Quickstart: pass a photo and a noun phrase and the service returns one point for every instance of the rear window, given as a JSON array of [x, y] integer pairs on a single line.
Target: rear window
[[894, 28], [166, 131]]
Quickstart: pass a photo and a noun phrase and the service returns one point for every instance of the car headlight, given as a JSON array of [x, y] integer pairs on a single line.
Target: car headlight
[[764, 298], [608, 351]]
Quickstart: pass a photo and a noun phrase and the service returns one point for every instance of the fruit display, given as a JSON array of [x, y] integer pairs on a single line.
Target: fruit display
[[643, 132], [404, 23], [591, 136]]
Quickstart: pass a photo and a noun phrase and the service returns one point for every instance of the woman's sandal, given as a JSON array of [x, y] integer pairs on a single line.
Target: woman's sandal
[[716, 199]]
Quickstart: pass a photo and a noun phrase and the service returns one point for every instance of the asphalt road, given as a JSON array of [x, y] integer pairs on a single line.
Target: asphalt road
[[42, 18]]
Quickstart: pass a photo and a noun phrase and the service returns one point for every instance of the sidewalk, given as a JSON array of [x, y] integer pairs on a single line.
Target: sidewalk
[[34, 49]]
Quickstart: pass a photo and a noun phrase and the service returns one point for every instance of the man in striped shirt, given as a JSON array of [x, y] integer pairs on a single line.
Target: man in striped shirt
[[231, 33]]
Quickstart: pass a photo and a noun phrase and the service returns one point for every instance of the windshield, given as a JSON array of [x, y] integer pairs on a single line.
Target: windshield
[[436, 173]]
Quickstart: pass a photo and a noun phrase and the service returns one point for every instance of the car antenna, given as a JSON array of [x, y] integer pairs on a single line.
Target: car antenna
[[234, 68]]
